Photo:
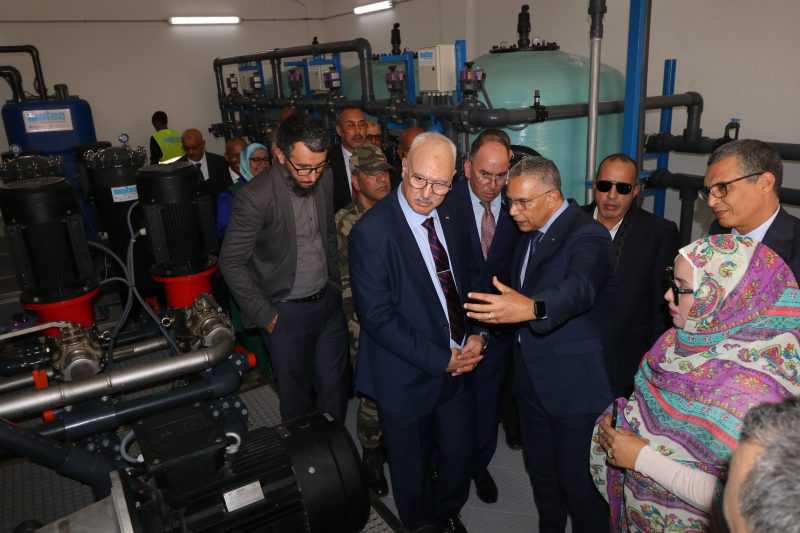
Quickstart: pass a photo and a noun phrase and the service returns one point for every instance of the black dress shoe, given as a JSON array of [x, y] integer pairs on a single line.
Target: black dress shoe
[[453, 525], [485, 487], [372, 465], [513, 438]]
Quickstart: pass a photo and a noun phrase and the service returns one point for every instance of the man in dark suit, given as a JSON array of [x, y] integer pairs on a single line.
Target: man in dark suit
[[280, 260], [351, 127], [644, 246], [213, 167], [409, 273], [559, 268], [741, 187], [493, 237]]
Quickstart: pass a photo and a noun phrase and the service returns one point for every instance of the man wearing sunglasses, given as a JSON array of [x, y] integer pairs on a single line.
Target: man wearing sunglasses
[[280, 260], [742, 182], [493, 237], [644, 245]]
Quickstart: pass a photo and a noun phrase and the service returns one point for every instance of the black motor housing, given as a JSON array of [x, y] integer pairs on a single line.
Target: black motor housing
[[48, 239], [179, 218]]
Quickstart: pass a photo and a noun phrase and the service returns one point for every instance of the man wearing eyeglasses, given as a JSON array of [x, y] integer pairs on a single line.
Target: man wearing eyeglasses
[[493, 237], [560, 266], [280, 260], [742, 182], [409, 274], [644, 245]]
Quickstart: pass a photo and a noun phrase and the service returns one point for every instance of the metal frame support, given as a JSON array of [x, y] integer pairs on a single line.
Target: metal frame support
[[461, 60], [665, 126], [636, 78], [407, 59]]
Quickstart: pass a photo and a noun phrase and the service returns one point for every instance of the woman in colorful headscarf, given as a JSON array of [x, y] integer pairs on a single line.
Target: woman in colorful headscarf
[[253, 160], [736, 309]]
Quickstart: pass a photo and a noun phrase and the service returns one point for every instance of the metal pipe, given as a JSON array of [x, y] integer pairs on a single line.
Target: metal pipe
[[19, 382], [17, 405], [38, 84], [135, 349], [14, 80], [706, 145], [597, 8]]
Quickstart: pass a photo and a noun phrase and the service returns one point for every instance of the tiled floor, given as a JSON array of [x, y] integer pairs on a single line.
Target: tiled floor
[[514, 511]]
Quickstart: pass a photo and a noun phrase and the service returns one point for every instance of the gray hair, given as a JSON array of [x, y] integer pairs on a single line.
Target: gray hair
[[770, 494], [753, 156], [428, 136], [540, 167]]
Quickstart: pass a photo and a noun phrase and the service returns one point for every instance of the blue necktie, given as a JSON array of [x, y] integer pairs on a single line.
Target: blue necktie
[[534, 239]]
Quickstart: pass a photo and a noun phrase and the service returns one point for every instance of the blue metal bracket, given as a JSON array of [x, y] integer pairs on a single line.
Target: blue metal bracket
[[461, 60], [407, 59]]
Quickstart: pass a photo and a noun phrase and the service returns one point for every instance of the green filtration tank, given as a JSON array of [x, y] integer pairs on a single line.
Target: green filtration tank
[[512, 75]]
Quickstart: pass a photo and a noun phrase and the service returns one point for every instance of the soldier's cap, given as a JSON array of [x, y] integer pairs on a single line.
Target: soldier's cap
[[369, 158]]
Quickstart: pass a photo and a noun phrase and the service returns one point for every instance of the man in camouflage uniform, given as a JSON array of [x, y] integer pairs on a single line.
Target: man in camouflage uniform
[[371, 183]]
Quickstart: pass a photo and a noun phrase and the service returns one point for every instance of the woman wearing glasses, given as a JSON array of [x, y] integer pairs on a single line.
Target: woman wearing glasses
[[254, 160], [660, 456]]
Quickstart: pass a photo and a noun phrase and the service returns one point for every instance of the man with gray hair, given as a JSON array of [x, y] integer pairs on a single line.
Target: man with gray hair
[[409, 273], [762, 494], [742, 183], [560, 265]]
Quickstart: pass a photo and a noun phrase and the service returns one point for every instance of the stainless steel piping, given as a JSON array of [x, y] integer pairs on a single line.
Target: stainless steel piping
[[134, 376], [597, 9]]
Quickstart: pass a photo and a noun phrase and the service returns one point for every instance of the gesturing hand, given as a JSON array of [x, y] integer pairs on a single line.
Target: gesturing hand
[[622, 446], [508, 307]]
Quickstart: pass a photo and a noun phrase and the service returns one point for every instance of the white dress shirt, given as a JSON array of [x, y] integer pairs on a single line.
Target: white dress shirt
[[347, 154], [612, 231], [414, 221], [758, 233], [234, 175], [203, 164]]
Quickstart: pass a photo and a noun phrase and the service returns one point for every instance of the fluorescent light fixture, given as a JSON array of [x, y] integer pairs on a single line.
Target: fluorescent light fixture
[[204, 20], [373, 7]]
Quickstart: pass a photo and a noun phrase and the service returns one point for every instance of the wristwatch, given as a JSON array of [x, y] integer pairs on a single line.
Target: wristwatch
[[539, 310]]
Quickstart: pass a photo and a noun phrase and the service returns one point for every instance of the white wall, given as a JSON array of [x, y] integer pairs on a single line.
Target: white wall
[[127, 70], [739, 54]]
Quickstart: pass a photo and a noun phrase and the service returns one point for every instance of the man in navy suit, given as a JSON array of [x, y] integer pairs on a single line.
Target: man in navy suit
[[561, 385], [409, 276], [493, 237], [742, 183]]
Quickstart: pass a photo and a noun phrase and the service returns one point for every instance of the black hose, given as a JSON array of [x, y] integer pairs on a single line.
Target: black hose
[[38, 82], [74, 463], [128, 301], [14, 80]]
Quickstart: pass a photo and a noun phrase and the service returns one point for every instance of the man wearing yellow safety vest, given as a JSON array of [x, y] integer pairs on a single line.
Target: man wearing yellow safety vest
[[165, 143]]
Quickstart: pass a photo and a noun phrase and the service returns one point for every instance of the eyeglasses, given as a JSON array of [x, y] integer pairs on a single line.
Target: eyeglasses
[[669, 282], [605, 186], [260, 160], [487, 178], [522, 203], [720, 190], [420, 182], [306, 171]]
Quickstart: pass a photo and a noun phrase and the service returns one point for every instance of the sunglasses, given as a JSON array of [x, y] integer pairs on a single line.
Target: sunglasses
[[669, 281], [605, 186]]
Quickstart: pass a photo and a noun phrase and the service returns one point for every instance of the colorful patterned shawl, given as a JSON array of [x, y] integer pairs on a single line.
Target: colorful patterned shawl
[[739, 348]]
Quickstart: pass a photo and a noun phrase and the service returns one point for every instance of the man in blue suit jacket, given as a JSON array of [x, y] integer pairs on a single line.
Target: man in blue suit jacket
[[559, 268], [493, 237], [409, 273]]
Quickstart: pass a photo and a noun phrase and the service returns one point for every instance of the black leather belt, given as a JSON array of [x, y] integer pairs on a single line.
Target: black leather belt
[[312, 298]]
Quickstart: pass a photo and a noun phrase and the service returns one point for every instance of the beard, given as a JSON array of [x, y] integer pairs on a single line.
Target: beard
[[302, 191]]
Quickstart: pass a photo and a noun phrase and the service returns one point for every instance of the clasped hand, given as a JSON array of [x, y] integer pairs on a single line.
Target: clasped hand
[[508, 307], [622, 447], [466, 359]]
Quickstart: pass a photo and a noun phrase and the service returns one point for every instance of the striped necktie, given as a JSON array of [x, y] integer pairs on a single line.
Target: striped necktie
[[455, 313]]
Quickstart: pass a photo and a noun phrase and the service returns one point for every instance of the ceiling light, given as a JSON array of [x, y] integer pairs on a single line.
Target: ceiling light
[[204, 20], [373, 7]]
